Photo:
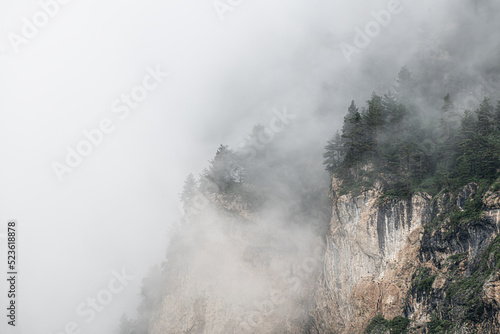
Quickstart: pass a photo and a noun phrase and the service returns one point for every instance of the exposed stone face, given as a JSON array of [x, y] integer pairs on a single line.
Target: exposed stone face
[[461, 254], [370, 255], [373, 251], [366, 267], [491, 291]]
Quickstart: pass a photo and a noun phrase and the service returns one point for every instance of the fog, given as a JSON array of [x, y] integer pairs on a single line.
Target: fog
[[116, 210]]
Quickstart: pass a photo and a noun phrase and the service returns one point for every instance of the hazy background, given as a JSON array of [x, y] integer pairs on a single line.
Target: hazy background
[[115, 209]]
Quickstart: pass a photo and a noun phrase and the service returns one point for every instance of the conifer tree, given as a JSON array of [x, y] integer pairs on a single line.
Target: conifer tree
[[392, 109], [467, 150], [375, 113], [224, 171], [353, 134], [189, 191], [444, 121], [497, 117], [405, 84], [334, 153], [484, 117], [374, 120]]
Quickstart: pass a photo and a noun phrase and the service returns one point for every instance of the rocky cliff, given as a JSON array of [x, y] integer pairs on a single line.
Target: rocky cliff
[[370, 255], [429, 264], [432, 261]]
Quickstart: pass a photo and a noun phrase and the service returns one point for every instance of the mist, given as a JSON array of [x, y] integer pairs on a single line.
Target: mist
[[118, 209]]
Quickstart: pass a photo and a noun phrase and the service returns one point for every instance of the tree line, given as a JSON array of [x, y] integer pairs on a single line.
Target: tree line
[[389, 141]]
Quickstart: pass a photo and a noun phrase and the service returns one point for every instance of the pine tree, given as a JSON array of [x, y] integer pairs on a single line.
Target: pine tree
[[189, 191], [351, 121], [447, 109], [225, 170], [375, 113], [404, 76], [497, 117], [334, 153], [448, 104], [467, 159], [401, 154], [485, 141], [484, 117], [405, 83], [353, 133], [374, 120], [445, 139], [392, 110]]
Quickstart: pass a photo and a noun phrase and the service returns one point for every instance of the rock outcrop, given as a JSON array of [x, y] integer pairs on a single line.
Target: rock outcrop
[[371, 252], [432, 261], [411, 258]]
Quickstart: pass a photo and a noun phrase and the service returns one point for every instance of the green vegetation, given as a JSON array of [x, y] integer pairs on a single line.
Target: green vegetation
[[471, 212], [457, 258], [379, 324], [465, 293], [438, 326], [398, 325], [422, 280], [462, 301], [453, 216], [224, 173], [459, 300], [388, 141]]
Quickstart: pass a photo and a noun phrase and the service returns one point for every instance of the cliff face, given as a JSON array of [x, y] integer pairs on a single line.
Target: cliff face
[[396, 259], [435, 262], [370, 255], [461, 258]]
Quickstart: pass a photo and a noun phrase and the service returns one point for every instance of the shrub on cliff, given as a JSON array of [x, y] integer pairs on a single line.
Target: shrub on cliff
[[380, 325]]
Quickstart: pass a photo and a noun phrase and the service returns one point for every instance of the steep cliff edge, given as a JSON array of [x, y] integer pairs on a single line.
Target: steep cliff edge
[[370, 255], [460, 256], [432, 261], [429, 264]]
